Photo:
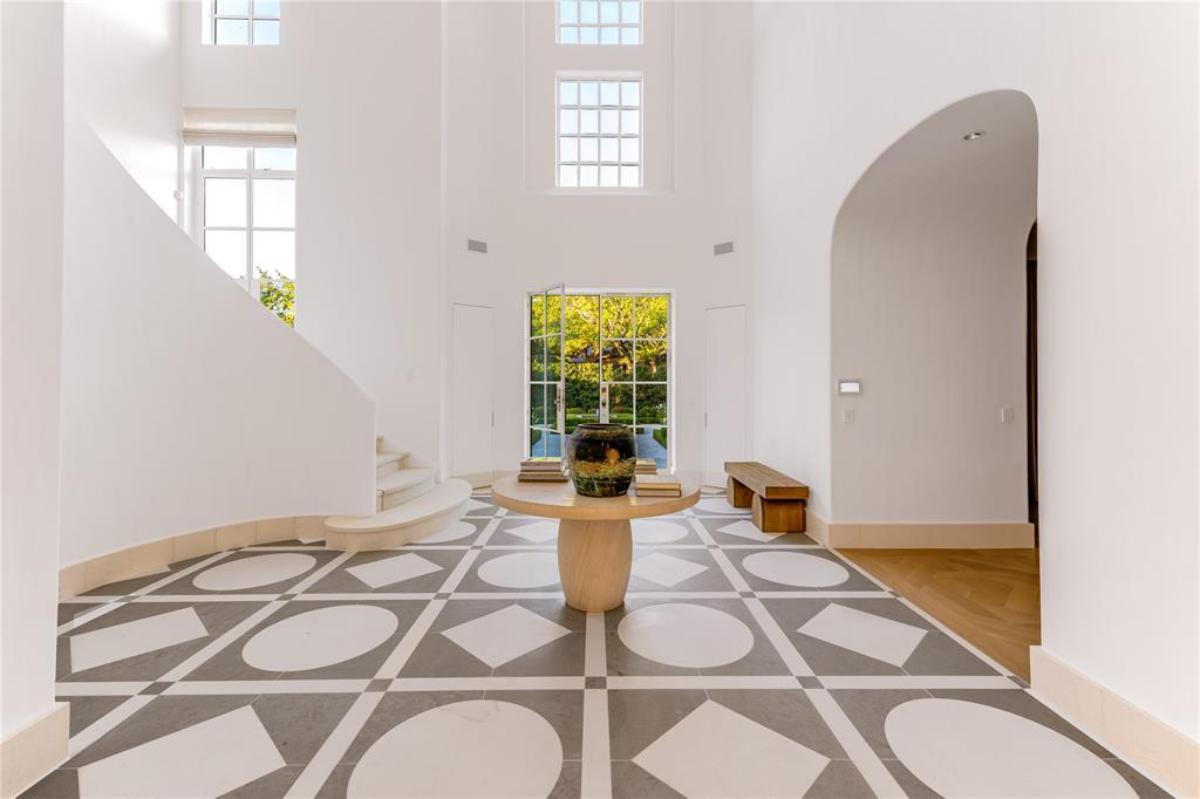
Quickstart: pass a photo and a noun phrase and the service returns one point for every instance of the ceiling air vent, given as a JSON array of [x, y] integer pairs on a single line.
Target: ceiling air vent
[[724, 248], [474, 245]]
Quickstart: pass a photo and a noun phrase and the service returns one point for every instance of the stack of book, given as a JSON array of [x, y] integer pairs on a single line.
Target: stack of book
[[658, 485], [542, 470], [647, 466]]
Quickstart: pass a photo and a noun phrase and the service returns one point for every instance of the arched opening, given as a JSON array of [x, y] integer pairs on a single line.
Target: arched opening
[[934, 317], [929, 307]]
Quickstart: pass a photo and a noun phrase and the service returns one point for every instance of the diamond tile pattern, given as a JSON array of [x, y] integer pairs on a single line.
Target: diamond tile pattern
[[505, 634], [716, 752], [665, 570], [790, 697]]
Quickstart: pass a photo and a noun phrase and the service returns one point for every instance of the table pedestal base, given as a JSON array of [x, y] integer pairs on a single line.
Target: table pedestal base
[[593, 562]]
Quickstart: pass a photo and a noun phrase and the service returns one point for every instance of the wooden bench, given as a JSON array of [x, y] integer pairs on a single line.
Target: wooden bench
[[777, 500]]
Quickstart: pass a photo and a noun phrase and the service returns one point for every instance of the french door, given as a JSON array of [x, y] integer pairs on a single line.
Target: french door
[[606, 360], [547, 389]]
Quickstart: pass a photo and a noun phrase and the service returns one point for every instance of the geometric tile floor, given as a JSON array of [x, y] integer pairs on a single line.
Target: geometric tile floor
[[741, 664]]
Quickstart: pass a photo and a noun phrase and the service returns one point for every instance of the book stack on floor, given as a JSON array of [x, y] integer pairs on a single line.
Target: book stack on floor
[[647, 466], [658, 485], [542, 470]]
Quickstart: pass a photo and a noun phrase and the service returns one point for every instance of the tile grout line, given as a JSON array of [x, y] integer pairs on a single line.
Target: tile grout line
[[116, 602], [595, 658], [391, 668], [318, 575], [596, 779], [489, 530], [218, 644], [316, 772], [775, 634], [80, 741], [880, 780]]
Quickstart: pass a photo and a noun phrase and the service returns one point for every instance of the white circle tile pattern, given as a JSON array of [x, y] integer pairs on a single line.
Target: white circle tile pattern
[[474, 748], [253, 572], [657, 532], [319, 638], [796, 568], [521, 570], [451, 532], [961, 748], [689, 636]]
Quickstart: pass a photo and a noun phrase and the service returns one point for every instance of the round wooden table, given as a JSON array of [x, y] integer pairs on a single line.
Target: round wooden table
[[595, 541]]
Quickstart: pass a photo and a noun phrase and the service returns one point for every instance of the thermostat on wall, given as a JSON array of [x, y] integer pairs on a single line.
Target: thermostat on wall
[[851, 385]]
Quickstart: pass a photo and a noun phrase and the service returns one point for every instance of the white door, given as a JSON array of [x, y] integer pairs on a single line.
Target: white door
[[726, 387], [471, 417]]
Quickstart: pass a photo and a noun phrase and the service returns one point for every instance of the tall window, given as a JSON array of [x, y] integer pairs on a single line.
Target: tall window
[[248, 208], [614, 367], [245, 22], [599, 22], [599, 133]]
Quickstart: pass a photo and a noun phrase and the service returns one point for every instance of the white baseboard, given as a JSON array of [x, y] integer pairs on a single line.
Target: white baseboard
[[1161, 752], [156, 556], [929, 535], [33, 751]]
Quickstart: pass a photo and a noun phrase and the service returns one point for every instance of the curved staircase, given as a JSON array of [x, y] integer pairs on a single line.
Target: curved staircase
[[409, 506]]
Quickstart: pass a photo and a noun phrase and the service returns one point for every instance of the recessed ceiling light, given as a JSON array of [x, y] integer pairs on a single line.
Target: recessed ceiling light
[[975, 134]]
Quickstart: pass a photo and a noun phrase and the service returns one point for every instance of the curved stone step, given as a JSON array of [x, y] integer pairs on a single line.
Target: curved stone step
[[388, 462], [398, 487], [402, 525]]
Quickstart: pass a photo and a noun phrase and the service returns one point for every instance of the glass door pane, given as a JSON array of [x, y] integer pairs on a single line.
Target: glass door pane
[[546, 421]]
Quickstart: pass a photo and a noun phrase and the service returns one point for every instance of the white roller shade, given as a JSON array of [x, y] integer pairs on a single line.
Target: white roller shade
[[269, 127]]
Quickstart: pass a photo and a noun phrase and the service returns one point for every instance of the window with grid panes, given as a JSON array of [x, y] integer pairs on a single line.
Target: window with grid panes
[[248, 215], [599, 133], [245, 22], [599, 22]]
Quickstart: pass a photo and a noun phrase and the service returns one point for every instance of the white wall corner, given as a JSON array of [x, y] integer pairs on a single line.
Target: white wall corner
[[35, 750], [1161, 752]]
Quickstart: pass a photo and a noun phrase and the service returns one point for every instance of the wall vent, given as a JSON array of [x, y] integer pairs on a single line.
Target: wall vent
[[474, 245], [724, 248]]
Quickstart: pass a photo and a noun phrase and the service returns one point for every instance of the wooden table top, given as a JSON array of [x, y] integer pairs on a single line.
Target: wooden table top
[[559, 500]]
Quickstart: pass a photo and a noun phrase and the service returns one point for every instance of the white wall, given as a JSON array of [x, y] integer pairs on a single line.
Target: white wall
[[260, 76], [123, 75], [31, 267], [500, 73], [928, 298], [186, 404], [422, 125], [368, 214], [1115, 89]]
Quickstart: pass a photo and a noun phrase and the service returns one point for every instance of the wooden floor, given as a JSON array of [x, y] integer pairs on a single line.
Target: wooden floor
[[988, 596]]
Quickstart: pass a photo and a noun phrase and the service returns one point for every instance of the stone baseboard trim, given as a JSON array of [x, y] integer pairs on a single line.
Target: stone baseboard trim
[[928, 535], [156, 556], [34, 751], [1161, 752]]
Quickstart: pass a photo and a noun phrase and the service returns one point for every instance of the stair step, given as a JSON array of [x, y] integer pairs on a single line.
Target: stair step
[[388, 462], [401, 525], [403, 485]]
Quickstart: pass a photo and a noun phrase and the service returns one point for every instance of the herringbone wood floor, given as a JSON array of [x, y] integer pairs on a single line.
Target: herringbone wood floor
[[988, 596]]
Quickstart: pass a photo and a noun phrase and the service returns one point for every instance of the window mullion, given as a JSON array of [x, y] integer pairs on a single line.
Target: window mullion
[[250, 224]]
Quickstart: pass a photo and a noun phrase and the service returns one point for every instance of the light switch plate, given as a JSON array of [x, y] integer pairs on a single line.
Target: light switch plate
[[848, 416], [1007, 415]]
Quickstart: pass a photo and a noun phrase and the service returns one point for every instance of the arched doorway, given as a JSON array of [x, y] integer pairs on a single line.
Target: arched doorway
[[931, 315]]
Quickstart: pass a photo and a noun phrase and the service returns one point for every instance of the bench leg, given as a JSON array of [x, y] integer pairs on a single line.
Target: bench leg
[[778, 515], [737, 494]]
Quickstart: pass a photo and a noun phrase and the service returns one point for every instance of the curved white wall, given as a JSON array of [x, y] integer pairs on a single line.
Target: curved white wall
[[1115, 88], [186, 404], [928, 298]]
